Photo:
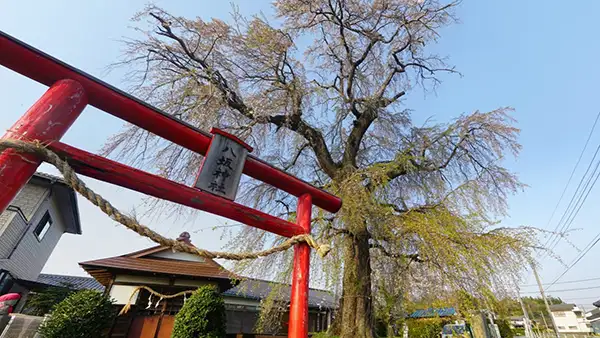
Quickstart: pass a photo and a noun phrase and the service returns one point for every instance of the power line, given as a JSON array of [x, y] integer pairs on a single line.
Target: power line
[[567, 282], [587, 249], [571, 176], [566, 290], [580, 298], [575, 212], [572, 212]]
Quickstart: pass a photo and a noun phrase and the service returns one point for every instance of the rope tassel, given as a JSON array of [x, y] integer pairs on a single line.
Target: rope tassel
[[71, 178], [127, 306]]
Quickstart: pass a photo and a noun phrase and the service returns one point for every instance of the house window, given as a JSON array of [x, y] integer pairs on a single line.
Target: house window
[[561, 327], [43, 226], [572, 327], [559, 314]]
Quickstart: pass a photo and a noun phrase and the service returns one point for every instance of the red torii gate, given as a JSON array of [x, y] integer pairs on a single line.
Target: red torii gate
[[69, 93]]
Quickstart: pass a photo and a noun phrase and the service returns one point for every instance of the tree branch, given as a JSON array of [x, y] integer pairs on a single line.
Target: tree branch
[[293, 122], [405, 210], [428, 166], [411, 257]]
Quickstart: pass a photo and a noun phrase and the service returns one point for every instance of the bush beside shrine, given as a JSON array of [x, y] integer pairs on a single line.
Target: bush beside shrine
[[84, 314], [202, 315]]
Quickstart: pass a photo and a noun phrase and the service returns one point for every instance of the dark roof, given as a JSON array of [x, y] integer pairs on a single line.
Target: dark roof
[[431, 312], [260, 289], [562, 307], [594, 314], [66, 198], [597, 304], [170, 267], [49, 177], [71, 282]]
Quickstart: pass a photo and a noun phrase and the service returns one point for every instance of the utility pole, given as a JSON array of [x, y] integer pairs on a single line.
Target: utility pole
[[528, 330], [544, 318], [539, 282]]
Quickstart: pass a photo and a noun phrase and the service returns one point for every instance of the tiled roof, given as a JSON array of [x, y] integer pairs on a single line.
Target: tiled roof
[[50, 177], [71, 282], [143, 261], [260, 289], [431, 312], [170, 267], [594, 315], [562, 307]]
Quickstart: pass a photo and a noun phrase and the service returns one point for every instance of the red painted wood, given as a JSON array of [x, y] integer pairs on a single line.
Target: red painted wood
[[166, 327], [144, 327], [41, 67], [106, 170], [47, 120], [298, 327]]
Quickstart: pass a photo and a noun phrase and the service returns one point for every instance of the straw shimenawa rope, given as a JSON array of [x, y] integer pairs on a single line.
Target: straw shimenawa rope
[[36, 147], [127, 306]]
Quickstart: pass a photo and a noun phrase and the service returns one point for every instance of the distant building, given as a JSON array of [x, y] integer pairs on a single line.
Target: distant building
[[434, 313], [593, 318], [30, 228], [517, 321], [570, 319]]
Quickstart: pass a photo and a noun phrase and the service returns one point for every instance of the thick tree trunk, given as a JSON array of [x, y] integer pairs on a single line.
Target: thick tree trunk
[[357, 305]]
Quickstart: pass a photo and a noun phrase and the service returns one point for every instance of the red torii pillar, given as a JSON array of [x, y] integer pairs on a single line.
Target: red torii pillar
[[298, 327], [47, 120]]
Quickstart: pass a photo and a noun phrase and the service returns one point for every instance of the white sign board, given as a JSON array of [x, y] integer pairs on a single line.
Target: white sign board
[[222, 167]]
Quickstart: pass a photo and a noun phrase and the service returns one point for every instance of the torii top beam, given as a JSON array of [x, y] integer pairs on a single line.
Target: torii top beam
[[43, 68]]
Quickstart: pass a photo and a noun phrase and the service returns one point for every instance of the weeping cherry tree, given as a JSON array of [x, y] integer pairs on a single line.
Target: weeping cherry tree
[[320, 93]]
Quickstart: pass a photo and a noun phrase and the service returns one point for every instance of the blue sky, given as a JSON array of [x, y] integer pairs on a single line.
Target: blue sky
[[536, 56]]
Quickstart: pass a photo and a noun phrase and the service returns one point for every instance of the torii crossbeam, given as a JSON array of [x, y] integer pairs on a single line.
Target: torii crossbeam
[[71, 90]]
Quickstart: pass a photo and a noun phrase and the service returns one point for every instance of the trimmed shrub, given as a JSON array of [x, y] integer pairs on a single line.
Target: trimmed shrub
[[426, 327], [83, 314], [202, 315]]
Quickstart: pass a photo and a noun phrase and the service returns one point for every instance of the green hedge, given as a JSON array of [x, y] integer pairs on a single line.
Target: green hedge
[[426, 328], [84, 314], [202, 315]]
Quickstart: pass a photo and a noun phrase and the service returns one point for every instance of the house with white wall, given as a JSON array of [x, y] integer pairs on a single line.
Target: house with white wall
[[30, 227], [570, 319]]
